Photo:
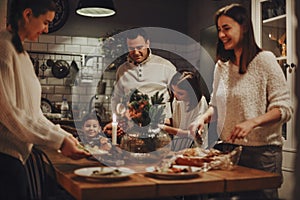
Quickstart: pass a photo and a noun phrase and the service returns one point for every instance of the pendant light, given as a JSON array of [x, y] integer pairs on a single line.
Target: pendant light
[[96, 8]]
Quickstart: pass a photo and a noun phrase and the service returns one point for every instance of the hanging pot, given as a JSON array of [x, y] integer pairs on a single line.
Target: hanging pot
[[101, 87], [71, 79], [36, 67], [50, 62], [60, 69], [43, 67]]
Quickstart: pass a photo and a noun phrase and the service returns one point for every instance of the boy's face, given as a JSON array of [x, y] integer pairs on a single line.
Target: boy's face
[[91, 128]]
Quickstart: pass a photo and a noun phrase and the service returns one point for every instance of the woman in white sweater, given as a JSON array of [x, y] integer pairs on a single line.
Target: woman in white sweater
[[22, 123], [250, 96]]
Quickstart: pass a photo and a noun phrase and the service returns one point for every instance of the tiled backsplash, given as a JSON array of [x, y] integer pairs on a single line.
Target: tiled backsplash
[[80, 49], [69, 49]]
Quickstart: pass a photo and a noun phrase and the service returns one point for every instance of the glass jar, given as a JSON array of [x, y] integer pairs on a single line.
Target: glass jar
[[146, 144], [64, 109]]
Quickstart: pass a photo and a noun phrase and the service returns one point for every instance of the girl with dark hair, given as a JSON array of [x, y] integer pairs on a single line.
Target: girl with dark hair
[[22, 122], [188, 105], [250, 97]]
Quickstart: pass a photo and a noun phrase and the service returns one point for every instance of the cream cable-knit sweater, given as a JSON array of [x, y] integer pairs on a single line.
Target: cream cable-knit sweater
[[22, 123], [238, 97], [152, 75]]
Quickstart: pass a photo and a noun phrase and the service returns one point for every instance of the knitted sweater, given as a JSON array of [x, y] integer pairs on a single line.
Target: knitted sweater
[[152, 75], [22, 123], [238, 97]]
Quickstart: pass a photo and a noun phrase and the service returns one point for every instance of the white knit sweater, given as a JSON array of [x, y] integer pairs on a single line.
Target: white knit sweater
[[152, 75], [22, 123], [238, 97]]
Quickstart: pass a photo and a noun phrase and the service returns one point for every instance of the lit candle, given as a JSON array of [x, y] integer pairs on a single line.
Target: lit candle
[[114, 129]]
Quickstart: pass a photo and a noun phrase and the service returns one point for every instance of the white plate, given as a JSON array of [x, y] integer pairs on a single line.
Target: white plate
[[104, 173], [193, 172]]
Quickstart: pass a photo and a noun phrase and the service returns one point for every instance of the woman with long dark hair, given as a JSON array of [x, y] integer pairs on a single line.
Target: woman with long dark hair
[[22, 123], [250, 96]]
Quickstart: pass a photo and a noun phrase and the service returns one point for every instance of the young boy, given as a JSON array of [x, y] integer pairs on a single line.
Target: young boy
[[92, 132]]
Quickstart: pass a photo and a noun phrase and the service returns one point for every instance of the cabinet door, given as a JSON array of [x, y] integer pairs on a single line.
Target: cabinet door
[[274, 25]]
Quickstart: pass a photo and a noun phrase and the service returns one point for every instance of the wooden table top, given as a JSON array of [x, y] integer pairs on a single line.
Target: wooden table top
[[243, 179], [139, 185]]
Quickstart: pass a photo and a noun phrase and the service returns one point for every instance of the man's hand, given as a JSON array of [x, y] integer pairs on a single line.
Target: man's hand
[[108, 130]]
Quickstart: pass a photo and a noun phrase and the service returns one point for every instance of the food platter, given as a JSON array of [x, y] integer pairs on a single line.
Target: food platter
[[175, 172], [104, 173]]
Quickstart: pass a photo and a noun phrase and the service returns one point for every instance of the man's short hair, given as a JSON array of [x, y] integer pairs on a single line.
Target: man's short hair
[[135, 32]]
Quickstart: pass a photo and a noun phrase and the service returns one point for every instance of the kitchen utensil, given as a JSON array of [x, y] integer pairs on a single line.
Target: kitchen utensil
[[101, 87], [60, 69], [43, 67], [32, 60], [74, 65], [71, 80], [36, 66], [50, 62]]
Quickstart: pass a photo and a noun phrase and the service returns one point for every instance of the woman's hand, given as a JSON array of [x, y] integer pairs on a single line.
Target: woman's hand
[[70, 149], [241, 130]]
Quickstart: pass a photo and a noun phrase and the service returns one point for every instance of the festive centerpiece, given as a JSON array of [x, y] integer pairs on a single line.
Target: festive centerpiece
[[144, 139]]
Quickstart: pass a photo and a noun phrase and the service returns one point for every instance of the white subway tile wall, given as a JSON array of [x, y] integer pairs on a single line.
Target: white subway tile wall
[[81, 93], [63, 40], [46, 39], [72, 48], [55, 89], [38, 46]]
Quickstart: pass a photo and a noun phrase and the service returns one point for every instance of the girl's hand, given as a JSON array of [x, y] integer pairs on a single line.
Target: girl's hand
[[197, 126]]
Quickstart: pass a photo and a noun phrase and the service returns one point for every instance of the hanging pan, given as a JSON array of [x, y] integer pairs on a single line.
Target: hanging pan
[[60, 69]]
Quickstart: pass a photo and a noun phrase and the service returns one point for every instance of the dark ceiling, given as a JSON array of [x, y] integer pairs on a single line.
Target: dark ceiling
[[185, 16], [130, 13]]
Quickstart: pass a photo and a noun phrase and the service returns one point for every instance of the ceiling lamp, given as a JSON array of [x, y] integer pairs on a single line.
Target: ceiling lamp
[[96, 8]]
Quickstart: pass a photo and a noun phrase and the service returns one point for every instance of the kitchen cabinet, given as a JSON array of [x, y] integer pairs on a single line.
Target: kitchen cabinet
[[274, 24]]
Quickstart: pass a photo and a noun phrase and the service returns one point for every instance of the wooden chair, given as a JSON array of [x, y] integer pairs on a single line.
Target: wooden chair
[[42, 178]]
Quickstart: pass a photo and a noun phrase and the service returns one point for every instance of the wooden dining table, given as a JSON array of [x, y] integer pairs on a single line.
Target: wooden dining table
[[142, 186]]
